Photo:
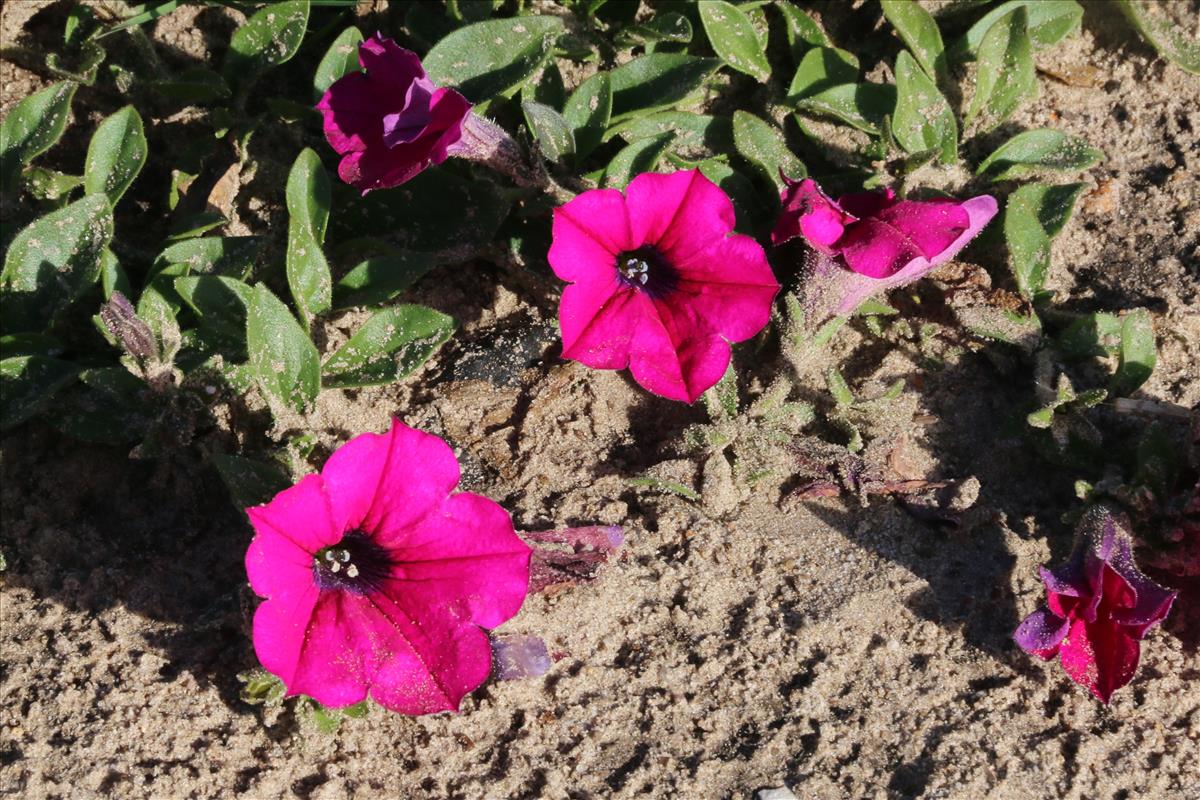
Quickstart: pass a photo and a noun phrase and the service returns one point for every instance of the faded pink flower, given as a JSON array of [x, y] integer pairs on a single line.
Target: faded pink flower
[[657, 282], [1100, 606], [378, 580], [871, 242], [390, 122]]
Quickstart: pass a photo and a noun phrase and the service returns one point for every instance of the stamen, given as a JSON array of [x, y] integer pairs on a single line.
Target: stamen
[[647, 269]]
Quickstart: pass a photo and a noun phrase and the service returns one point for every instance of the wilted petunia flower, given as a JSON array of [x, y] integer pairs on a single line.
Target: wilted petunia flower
[[1100, 605], [657, 283], [870, 242], [378, 580]]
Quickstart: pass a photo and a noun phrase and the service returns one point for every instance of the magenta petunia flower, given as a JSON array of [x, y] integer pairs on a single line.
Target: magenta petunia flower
[[657, 282], [378, 580], [1100, 605], [870, 242], [390, 122]]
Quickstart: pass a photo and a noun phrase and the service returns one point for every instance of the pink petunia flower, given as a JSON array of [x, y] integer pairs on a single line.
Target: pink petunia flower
[[871, 242], [1100, 606], [378, 580], [657, 282]]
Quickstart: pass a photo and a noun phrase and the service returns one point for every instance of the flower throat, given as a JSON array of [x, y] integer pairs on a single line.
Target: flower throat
[[647, 269]]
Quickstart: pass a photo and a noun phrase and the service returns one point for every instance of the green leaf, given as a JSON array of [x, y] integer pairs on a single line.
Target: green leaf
[[382, 273], [49, 184], [196, 85], [115, 155], [553, 133], [339, 60], [820, 69], [269, 38], [282, 359], [860, 105], [588, 111], [657, 81], [489, 58], [222, 304], [31, 128], [250, 483], [28, 383], [546, 87], [920, 34], [801, 30], [435, 211], [666, 26], [1036, 151], [1048, 22], [763, 146], [390, 345], [158, 312], [1005, 74], [634, 159], [1034, 215], [1137, 355], [741, 190], [692, 131], [1169, 39], [839, 388], [223, 255], [80, 66], [734, 39], [308, 202], [923, 119], [659, 484], [52, 262]]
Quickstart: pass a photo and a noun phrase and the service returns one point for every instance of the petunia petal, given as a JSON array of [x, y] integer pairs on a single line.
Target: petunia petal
[[335, 663], [587, 234], [931, 225], [1041, 633], [351, 111], [447, 556], [300, 514], [876, 249], [809, 212], [281, 627], [1099, 655], [598, 323], [730, 286], [389, 63], [381, 483], [675, 353], [680, 213]]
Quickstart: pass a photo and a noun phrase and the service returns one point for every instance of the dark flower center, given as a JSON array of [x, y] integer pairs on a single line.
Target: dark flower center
[[356, 564], [647, 269]]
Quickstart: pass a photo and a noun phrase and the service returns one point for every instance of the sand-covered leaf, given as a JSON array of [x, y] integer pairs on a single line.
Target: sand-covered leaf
[[308, 203], [822, 68], [116, 154], [340, 59], [1034, 215], [1137, 354], [390, 345], [1049, 22], [52, 262], [222, 305], [634, 159], [657, 81], [31, 127], [860, 105], [919, 33], [664, 27], [923, 120], [588, 111], [282, 358], [1005, 74], [553, 133], [269, 38], [1041, 150], [1171, 40], [489, 58], [763, 146], [379, 273], [801, 30], [221, 255], [733, 38]]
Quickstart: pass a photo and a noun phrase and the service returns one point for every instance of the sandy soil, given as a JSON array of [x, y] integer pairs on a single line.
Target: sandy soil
[[738, 643]]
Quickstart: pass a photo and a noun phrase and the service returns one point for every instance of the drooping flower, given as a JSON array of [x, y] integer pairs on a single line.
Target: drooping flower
[[390, 122], [380, 581], [1099, 606], [870, 242], [657, 282]]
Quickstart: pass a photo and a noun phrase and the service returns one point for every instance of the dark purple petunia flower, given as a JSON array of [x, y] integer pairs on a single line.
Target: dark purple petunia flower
[[1099, 606]]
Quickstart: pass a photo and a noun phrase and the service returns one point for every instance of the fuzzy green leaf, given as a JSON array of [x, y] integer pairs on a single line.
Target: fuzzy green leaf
[[222, 305], [1005, 75], [28, 384], [52, 262], [588, 111], [667, 26], [1034, 215], [269, 38], [920, 33], [822, 68], [1041, 150], [553, 133], [1049, 22], [734, 39], [763, 146], [283, 360], [381, 273], [1137, 355], [115, 155], [390, 345], [923, 119], [308, 202], [222, 255], [634, 159], [339, 60], [489, 58], [801, 30], [860, 105], [252, 483], [31, 128], [1169, 40], [657, 81]]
